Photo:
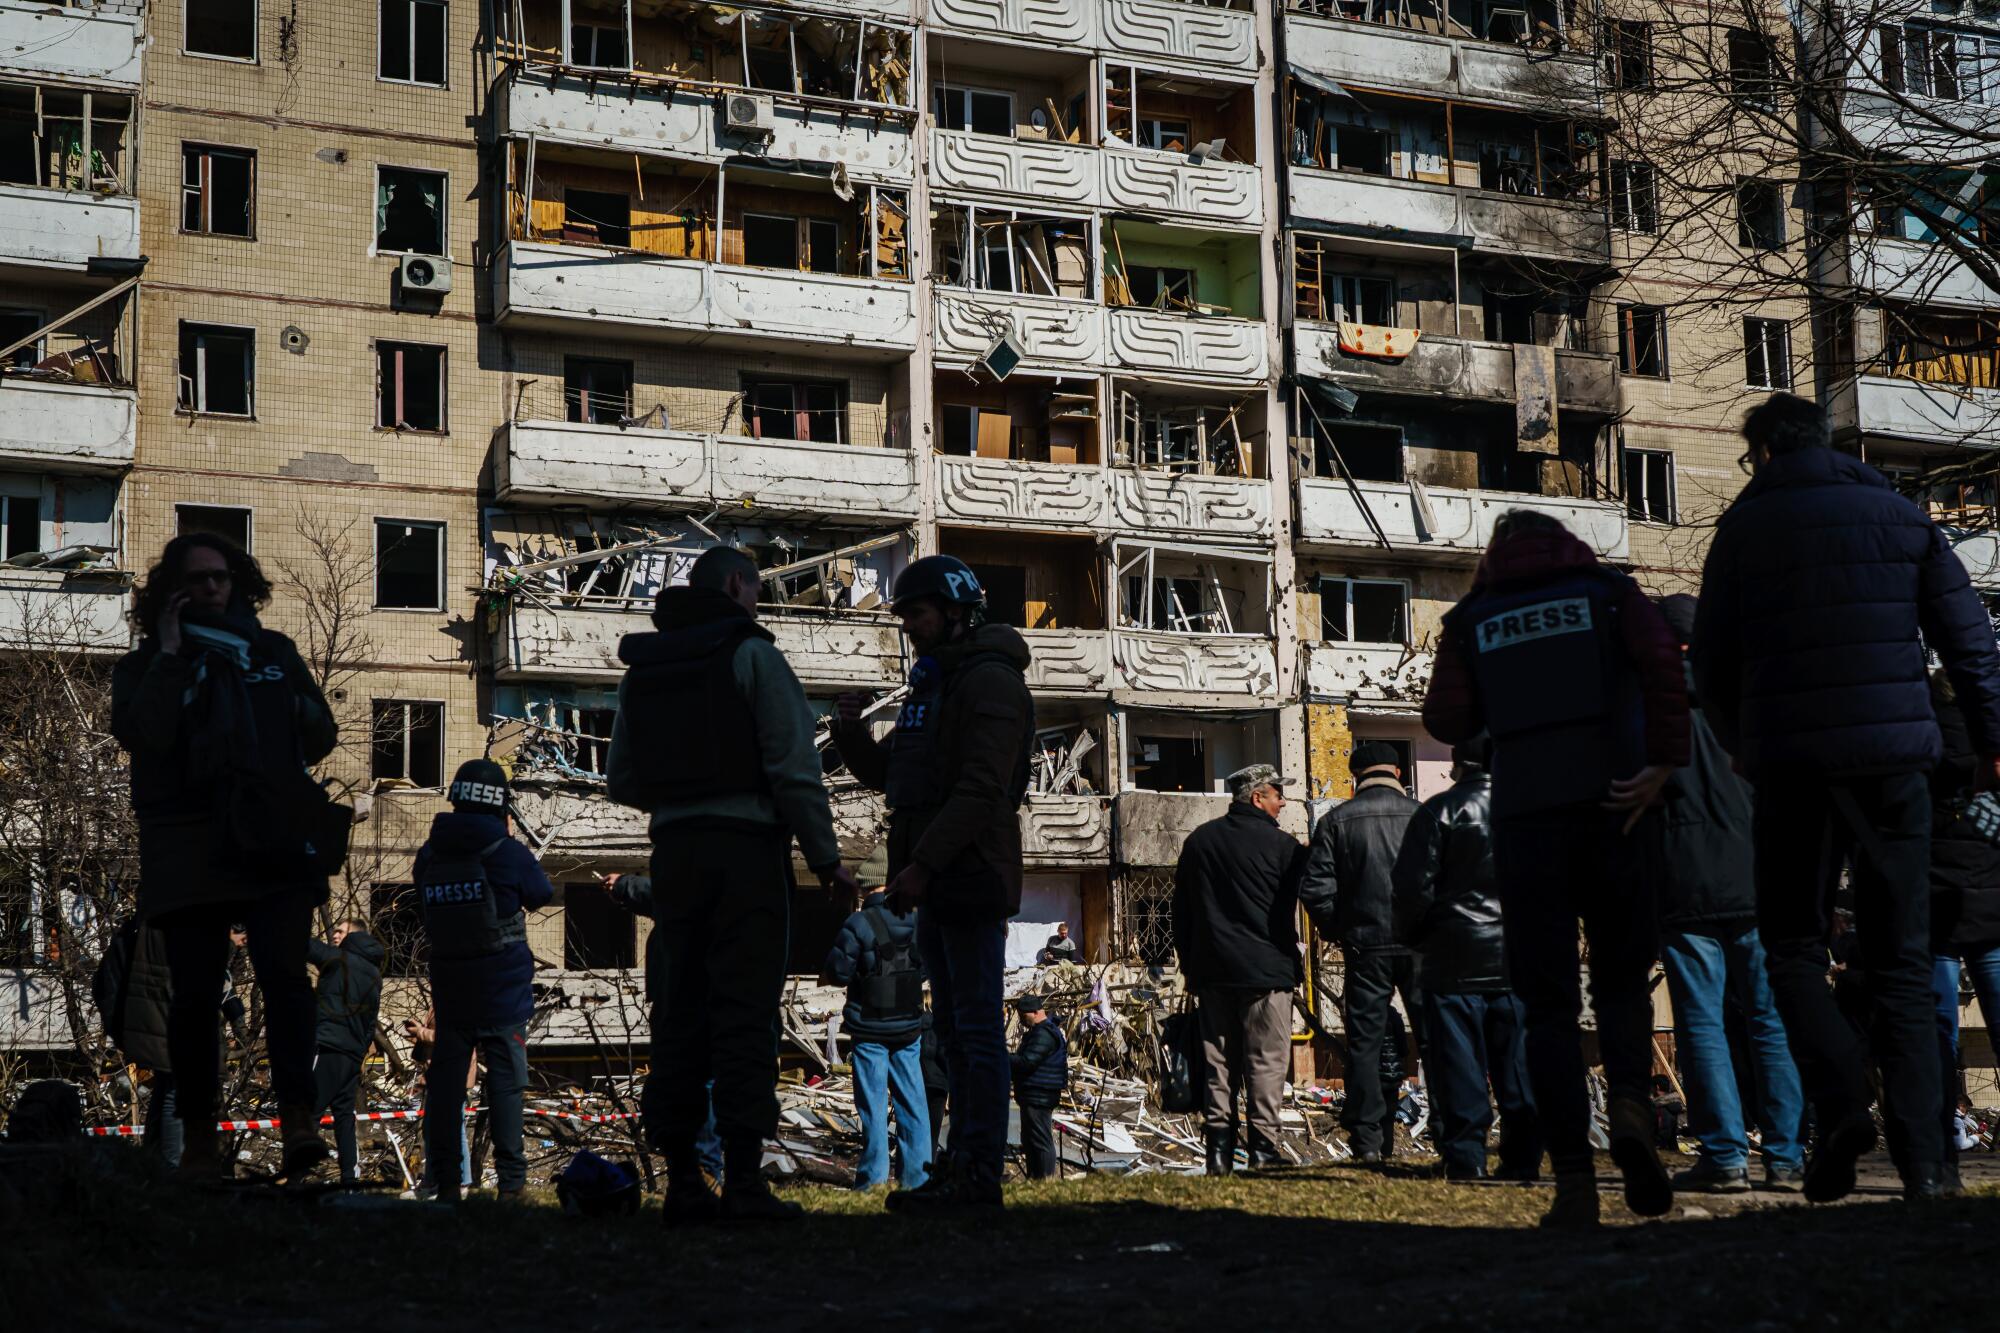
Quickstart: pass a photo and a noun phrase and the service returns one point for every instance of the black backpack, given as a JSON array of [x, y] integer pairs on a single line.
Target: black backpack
[[895, 988], [1181, 1062], [114, 973]]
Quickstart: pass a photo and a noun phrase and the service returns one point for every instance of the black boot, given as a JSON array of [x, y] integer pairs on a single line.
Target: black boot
[[967, 1187], [1830, 1168], [1264, 1154], [1925, 1183], [745, 1196], [1221, 1152], [690, 1200]]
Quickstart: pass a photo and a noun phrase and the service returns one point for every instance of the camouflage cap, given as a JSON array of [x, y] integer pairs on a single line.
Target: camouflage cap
[[1246, 780]]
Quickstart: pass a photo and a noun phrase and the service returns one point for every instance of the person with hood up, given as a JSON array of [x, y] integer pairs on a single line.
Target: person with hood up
[[350, 996], [955, 770], [1571, 670], [221, 717], [714, 740], [476, 883]]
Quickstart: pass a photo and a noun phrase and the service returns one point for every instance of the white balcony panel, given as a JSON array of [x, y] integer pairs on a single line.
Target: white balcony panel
[[1183, 32], [803, 477], [1907, 409], [1069, 661], [571, 461], [1217, 508], [1377, 56], [1217, 193], [78, 45], [1194, 663], [1040, 495], [49, 608], [1050, 22], [65, 228], [581, 643], [1027, 169], [841, 650], [1511, 224], [1065, 831], [1979, 552], [1928, 275], [584, 282], [1330, 517], [1388, 674], [1440, 366], [1152, 825], [1171, 344], [67, 427], [1053, 332]]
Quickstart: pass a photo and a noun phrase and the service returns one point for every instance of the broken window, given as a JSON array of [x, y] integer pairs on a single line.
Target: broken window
[[1649, 485], [18, 324], [409, 386], [63, 140], [796, 410], [595, 217], [1169, 763], [1751, 68], [1363, 450], [1767, 354], [217, 369], [1119, 108], [1168, 135], [1364, 610], [598, 934], [20, 525], [1634, 205], [1642, 340], [1362, 300], [409, 211], [1183, 592], [973, 109], [413, 41], [409, 565], [1760, 214], [222, 520], [221, 28], [1358, 148], [1174, 604], [1159, 287], [600, 42], [596, 391], [999, 250], [806, 243], [1931, 62], [218, 190], [407, 742], [1628, 54]]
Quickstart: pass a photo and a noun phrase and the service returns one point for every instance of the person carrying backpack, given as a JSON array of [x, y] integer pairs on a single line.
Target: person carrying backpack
[[475, 885], [875, 957]]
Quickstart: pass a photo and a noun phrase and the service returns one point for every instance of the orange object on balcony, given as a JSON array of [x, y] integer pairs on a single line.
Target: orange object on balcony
[[1377, 340]]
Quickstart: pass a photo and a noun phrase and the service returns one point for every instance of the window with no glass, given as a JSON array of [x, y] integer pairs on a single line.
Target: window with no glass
[[1628, 57], [1760, 214], [972, 109], [595, 217], [1634, 200], [1364, 610], [596, 390], [409, 211], [225, 28], [218, 190], [1649, 485], [222, 520], [409, 386], [599, 46], [217, 369], [16, 325], [409, 565], [413, 41], [796, 410], [408, 742], [1767, 354], [1642, 340], [20, 525]]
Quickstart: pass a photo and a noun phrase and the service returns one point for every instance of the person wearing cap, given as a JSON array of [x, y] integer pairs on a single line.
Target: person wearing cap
[[1347, 891], [1236, 890], [714, 740], [1447, 907], [955, 771], [1040, 1066], [476, 883], [1705, 889]]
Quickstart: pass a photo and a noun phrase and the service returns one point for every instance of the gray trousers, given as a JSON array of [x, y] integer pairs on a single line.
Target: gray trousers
[[1246, 1042]]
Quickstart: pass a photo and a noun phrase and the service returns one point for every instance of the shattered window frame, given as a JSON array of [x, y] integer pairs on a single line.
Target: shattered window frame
[[801, 410], [384, 171], [1642, 340], [1650, 486], [1760, 213], [966, 96], [1769, 342], [393, 381], [252, 29], [199, 193], [396, 726], [192, 369], [1635, 197], [19, 322], [1347, 584]]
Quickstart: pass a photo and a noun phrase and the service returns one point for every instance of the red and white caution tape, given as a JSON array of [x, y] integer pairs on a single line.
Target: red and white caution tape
[[134, 1131]]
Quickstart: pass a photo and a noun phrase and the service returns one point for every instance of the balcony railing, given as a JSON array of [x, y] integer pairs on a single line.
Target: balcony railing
[[1335, 514]]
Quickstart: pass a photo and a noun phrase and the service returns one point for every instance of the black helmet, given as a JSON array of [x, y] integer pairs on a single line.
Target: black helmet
[[944, 577], [479, 786]]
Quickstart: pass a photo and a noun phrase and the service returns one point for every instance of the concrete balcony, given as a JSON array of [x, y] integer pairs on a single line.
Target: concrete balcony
[[1331, 519], [1170, 345], [1045, 22], [65, 229], [1511, 224], [609, 110], [537, 642], [1031, 171], [1065, 831], [570, 462], [1926, 275], [1038, 172], [1069, 661], [1034, 495], [1462, 69], [1194, 664], [1183, 32], [1215, 194], [1388, 675], [1051, 497], [1152, 825], [1979, 552], [92, 47], [1891, 407], [67, 427], [553, 286], [1456, 368], [1055, 332], [1180, 504], [43, 609]]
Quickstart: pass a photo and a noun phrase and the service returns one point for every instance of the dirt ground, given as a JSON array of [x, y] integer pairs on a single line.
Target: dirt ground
[[94, 1239]]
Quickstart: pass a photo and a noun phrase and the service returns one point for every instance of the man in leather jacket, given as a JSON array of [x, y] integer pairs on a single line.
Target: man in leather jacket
[[1346, 892], [1447, 907]]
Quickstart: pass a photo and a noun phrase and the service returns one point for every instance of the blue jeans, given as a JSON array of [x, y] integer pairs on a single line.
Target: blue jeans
[[1985, 969], [967, 966], [879, 1075], [1703, 972], [1474, 1041]]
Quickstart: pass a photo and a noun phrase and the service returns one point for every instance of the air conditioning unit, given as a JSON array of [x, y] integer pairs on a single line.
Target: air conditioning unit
[[429, 274], [744, 112]]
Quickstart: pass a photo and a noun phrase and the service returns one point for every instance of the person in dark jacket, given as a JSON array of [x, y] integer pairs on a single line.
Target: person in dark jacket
[[874, 955], [714, 739], [1965, 899], [1706, 897], [1447, 908], [217, 713], [1236, 899], [1059, 948], [937, 1081], [477, 883], [955, 771], [350, 996], [1819, 582], [1040, 1066], [1346, 892], [1570, 669]]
